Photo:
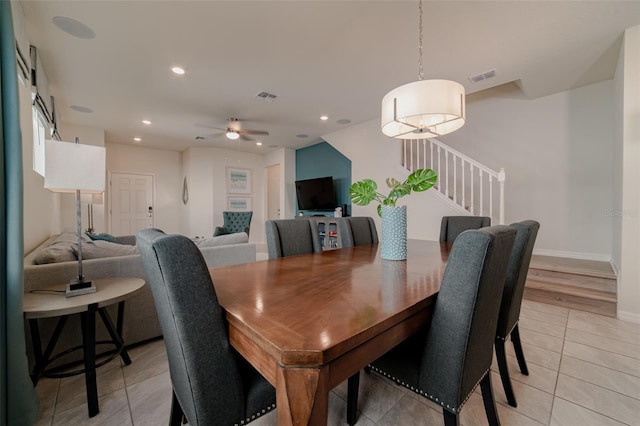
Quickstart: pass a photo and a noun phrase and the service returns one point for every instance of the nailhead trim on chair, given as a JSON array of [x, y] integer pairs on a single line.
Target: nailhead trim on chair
[[256, 415], [426, 395]]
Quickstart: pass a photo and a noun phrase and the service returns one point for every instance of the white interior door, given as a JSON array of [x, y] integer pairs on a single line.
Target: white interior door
[[131, 203], [273, 192]]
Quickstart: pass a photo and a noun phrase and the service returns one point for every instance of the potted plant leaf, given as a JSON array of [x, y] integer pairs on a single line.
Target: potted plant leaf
[[394, 218]]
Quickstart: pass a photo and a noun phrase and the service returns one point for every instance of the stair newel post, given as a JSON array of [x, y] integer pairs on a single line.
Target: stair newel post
[[472, 189], [481, 192], [446, 171], [464, 200], [502, 177], [491, 197], [455, 179]]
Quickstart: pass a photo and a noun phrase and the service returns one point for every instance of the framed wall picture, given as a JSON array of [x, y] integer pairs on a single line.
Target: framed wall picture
[[238, 181], [238, 204]]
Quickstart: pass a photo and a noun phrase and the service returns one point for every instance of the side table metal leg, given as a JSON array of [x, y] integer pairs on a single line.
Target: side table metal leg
[[42, 359], [88, 320], [115, 336]]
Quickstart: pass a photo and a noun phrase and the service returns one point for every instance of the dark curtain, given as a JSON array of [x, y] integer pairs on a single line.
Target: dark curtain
[[19, 403]]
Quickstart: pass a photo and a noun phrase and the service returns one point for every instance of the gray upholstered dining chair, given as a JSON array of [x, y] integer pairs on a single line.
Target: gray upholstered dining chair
[[526, 233], [288, 237], [212, 384], [234, 222], [357, 230], [449, 357], [452, 226]]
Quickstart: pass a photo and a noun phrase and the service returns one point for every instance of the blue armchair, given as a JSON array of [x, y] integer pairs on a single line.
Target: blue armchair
[[234, 222]]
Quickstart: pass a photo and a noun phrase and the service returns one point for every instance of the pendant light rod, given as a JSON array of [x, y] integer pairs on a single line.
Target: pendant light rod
[[420, 69]]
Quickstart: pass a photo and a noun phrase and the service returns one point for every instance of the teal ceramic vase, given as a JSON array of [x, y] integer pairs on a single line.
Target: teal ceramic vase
[[394, 233]]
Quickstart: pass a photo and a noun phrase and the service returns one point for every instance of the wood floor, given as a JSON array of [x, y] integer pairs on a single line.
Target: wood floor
[[577, 284]]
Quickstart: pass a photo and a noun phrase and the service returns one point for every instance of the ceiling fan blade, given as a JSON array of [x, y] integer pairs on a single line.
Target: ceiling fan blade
[[209, 126], [245, 138], [254, 132]]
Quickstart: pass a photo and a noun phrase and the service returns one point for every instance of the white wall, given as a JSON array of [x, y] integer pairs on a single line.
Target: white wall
[[205, 169], [376, 157], [167, 168], [558, 156], [627, 211]]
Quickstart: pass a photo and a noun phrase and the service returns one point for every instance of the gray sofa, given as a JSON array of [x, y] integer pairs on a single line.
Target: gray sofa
[[101, 260]]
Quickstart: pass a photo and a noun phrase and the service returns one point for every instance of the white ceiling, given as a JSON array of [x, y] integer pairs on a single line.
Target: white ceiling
[[337, 58]]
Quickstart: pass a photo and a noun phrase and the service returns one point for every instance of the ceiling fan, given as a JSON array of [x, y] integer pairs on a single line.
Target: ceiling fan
[[235, 131]]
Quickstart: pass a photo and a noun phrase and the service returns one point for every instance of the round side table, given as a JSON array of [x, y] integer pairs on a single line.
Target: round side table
[[51, 302]]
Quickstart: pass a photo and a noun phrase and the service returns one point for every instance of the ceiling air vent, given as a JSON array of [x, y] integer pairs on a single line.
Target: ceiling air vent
[[266, 96], [482, 76]]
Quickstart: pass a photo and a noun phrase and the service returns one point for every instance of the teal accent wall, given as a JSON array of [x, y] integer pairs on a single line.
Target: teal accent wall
[[322, 160]]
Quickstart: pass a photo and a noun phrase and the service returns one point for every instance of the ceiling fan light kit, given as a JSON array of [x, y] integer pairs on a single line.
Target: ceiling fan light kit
[[424, 108], [232, 134]]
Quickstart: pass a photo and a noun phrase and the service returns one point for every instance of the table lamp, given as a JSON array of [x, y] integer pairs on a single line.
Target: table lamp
[[75, 168]]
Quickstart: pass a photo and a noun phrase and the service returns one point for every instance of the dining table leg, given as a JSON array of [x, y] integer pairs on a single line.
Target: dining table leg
[[302, 396]]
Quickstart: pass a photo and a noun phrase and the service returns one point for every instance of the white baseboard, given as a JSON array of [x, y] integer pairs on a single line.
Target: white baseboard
[[629, 316], [574, 255]]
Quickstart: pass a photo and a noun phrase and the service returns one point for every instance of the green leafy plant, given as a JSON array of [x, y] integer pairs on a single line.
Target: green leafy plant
[[365, 191]]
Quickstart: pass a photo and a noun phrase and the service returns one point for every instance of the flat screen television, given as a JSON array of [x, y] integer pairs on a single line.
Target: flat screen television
[[316, 194]]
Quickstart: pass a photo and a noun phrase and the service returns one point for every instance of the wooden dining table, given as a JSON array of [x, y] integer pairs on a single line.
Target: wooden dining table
[[309, 322]]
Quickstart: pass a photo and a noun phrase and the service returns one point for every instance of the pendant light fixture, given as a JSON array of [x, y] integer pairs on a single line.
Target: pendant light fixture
[[424, 108]]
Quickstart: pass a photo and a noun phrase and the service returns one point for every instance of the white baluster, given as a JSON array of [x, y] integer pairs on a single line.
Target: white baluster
[[404, 154], [439, 169]]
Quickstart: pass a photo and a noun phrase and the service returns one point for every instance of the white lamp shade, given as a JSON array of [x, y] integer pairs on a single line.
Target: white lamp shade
[[423, 109], [72, 166]]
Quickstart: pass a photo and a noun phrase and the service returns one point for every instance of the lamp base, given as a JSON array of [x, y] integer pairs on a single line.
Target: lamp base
[[76, 288]]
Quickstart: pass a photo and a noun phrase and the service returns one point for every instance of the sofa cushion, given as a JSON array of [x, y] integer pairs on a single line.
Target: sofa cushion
[[223, 240], [99, 249]]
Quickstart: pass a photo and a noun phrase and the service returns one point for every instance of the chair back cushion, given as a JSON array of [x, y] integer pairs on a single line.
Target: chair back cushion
[[204, 374], [459, 346], [363, 230], [526, 233], [452, 226], [289, 237]]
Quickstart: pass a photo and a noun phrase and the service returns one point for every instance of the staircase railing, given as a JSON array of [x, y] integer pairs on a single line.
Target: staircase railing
[[471, 186]]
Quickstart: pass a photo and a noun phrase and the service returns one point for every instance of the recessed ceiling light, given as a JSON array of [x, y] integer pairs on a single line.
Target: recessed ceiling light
[[324, 117], [73, 27], [147, 122], [137, 139], [80, 108], [259, 143], [302, 135], [178, 70], [343, 121]]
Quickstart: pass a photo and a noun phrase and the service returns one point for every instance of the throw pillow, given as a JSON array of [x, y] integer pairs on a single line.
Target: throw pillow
[[102, 237]]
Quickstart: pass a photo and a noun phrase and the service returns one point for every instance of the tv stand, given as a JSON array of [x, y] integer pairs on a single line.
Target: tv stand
[[328, 230]]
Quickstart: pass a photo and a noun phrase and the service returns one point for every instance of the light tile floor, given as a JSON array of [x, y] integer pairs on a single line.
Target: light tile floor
[[584, 370]]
